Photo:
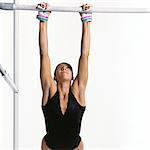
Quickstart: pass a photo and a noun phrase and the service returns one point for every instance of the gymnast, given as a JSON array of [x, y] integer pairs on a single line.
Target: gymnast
[[63, 102]]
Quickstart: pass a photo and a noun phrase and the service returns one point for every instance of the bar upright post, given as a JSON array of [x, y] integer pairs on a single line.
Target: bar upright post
[[15, 78]]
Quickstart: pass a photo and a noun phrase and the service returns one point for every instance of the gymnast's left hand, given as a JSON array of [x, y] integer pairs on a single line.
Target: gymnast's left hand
[[86, 7], [85, 16], [43, 15]]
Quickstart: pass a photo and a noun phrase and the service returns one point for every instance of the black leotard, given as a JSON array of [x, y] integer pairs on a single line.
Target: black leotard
[[63, 130]]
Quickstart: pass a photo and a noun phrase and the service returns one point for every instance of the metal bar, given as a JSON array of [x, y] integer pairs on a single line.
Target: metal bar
[[8, 79], [11, 6], [16, 78]]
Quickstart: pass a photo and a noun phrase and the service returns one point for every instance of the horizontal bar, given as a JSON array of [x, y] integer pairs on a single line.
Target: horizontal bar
[[11, 6], [8, 79]]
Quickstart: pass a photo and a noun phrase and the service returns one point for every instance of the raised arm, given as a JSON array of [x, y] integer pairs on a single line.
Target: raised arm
[[82, 75], [45, 63]]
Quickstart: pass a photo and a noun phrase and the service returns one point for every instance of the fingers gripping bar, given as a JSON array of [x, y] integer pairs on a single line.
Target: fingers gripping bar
[[11, 6]]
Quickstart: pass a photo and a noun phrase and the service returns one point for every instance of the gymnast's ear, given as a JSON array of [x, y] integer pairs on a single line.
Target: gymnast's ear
[[55, 78]]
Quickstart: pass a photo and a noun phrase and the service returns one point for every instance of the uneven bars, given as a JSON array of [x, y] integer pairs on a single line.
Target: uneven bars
[[11, 6], [8, 79]]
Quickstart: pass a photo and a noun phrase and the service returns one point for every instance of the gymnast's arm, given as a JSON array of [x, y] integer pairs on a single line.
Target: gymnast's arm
[[82, 75], [45, 65], [83, 60]]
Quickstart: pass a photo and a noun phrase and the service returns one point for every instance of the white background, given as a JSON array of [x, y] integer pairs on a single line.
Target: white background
[[117, 93]]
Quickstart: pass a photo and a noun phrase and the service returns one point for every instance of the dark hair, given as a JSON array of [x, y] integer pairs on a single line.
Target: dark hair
[[70, 67]]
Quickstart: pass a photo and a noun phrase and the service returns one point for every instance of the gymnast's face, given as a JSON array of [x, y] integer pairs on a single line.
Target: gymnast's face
[[63, 73]]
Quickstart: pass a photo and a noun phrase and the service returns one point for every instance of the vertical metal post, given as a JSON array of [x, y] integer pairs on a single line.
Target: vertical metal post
[[15, 79]]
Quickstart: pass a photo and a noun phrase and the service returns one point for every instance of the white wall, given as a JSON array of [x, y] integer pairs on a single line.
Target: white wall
[[6, 95], [117, 94]]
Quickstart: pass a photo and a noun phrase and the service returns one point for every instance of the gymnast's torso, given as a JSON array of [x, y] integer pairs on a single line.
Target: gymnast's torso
[[63, 122]]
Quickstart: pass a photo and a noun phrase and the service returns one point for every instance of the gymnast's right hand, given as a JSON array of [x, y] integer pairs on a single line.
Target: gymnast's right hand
[[43, 15]]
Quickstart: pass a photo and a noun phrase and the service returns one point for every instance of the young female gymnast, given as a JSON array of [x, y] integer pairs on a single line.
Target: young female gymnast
[[63, 103]]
